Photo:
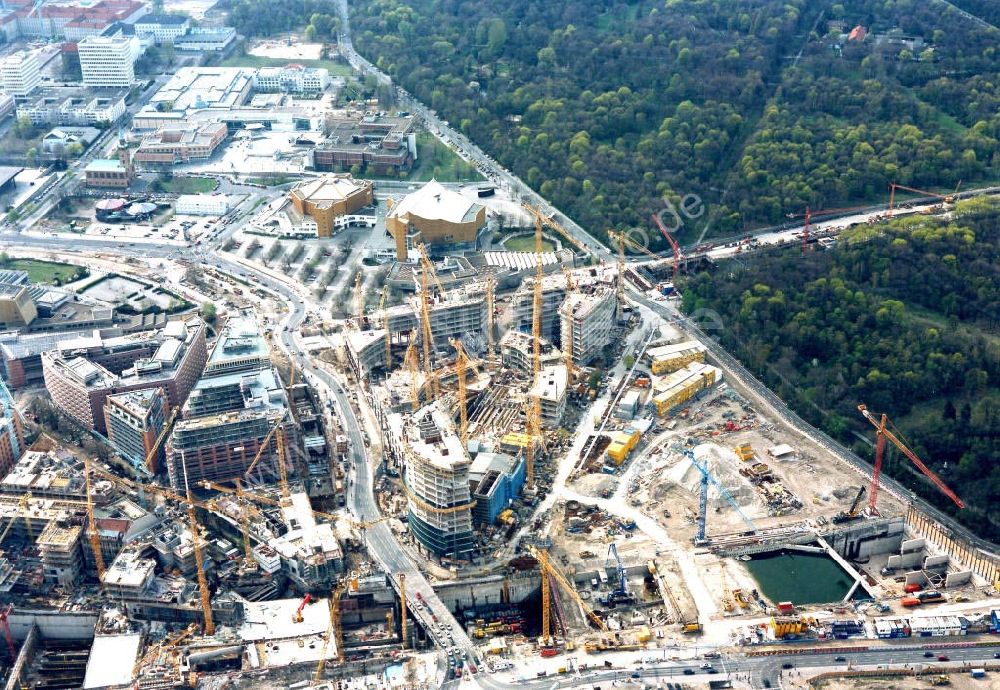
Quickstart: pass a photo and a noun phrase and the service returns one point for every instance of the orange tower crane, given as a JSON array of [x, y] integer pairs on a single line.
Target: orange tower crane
[[883, 434]]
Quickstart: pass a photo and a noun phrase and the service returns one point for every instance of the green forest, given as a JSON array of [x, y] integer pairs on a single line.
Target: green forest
[[761, 108], [904, 317]]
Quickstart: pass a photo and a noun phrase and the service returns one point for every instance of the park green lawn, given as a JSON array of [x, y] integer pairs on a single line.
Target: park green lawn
[[335, 68], [187, 185], [436, 161], [526, 243], [44, 271]]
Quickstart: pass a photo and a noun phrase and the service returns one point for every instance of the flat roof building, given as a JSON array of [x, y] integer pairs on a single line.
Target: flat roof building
[[163, 28], [587, 320], [437, 484], [134, 421], [180, 143], [231, 411], [292, 78], [108, 61], [81, 379], [550, 389], [20, 73], [375, 143], [434, 216]]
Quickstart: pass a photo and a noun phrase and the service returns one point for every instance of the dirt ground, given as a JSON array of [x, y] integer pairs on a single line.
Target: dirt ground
[[959, 681]]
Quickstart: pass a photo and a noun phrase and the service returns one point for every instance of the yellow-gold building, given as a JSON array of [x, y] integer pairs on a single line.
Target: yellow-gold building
[[435, 216], [329, 199]]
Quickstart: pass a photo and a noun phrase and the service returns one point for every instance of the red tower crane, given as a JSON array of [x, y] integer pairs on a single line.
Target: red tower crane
[[946, 198], [4, 615], [673, 245], [809, 214], [881, 436]]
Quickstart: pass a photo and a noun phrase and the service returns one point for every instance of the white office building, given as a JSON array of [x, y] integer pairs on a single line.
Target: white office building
[[202, 204], [20, 73], [164, 28], [292, 79], [108, 61]]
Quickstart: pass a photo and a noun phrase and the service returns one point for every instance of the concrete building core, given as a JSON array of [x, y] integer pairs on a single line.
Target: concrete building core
[[435, 216], [437, 483], [550, 389], [587, 320], [134, 421]]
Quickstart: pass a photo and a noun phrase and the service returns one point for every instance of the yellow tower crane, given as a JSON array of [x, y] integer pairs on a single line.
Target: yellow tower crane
[[463, 410], [491, 285], [551, 574], [425, 322], [95, 538], [333, 631], [199, 559], [385, 324], [535, 402], [249, 563], [402, 606], [410, 360]]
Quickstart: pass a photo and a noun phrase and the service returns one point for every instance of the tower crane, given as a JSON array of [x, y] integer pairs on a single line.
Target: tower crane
[[551, 574], [148, 463], [425, 318], [463, 402], [706, 479], [199, 559], [946, 198], [333, 630], [535, 402], [410, 360], [95, 538], [402, 607], [385, 324], [491, 285], [882, 434], [555, 225], [673, 245]]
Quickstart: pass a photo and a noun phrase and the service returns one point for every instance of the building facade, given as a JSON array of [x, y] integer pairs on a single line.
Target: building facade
[[587, 320], [292, 79], [80, 382], [20, 74], [435, 216], [76, 111], [329, 198], [437, 485], [175, 144], [11, 432], [134, 421], [163, 28], [108, 61]]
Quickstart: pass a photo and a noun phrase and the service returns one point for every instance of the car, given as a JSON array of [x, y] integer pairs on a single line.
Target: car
[[786, 665], [689, 672], [928, 655], [767, 683], [943, 657], [706, 665], [840, 658], [636, 674], [712, 670]]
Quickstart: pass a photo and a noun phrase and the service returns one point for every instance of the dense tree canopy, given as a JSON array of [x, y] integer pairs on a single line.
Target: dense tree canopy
[[902, 317], [761, 107]]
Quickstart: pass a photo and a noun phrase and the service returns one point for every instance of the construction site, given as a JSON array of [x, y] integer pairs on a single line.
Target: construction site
[[577, 477]]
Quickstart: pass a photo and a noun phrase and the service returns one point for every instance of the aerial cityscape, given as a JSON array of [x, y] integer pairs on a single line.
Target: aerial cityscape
[[419, 344]]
